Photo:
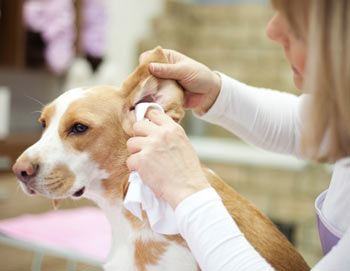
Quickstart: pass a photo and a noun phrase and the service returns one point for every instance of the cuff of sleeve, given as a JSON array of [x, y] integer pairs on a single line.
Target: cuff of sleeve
[[215, 111], [219, 107], [196, 200]]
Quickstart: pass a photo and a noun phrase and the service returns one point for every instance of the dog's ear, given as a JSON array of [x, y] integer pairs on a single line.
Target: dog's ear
[[141, 86]]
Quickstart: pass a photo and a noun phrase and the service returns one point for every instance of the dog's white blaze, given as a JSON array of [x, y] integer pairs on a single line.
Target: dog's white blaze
[[53, 152], [121, 255]]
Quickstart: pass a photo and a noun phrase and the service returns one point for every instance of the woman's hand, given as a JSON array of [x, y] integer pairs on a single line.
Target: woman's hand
[[202, 85], [165, 159]]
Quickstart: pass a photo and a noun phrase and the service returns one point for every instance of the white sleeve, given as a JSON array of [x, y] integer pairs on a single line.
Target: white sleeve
[[266, 118], [213, 237], [338, 258], [218, 245]]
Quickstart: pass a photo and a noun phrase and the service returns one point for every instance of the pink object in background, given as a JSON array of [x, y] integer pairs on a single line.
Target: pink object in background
[[55, 21], [94, 28], [83, 230]]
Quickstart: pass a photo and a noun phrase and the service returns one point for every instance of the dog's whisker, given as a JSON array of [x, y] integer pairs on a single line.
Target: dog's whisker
[[58, 186], [34, 99], [51, 183], [36, 111], [18, 188], [53, 188], [50, 186]]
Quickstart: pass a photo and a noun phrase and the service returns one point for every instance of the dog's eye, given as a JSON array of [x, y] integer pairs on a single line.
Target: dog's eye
[[43, 124], [79, 128]]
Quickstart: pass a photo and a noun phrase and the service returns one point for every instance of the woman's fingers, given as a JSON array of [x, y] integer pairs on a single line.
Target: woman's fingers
[[157, 117], [167, 71], [144, 128], [133, 162], [172, 56], [172, 70], [135, 144]]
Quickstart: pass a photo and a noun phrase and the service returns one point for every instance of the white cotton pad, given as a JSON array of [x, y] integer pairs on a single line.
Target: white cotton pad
[[141, 109]]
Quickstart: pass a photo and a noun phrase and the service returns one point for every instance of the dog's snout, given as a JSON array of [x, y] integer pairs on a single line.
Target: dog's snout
[[25, 170]]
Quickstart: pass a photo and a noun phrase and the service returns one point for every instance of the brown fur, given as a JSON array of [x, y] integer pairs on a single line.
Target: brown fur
[[47, 114], [100, 111], [109, 114], [258, 229], [148, 253], [59, 180]]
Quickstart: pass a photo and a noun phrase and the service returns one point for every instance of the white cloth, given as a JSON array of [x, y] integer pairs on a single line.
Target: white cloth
[[140, 197], [271, 120]]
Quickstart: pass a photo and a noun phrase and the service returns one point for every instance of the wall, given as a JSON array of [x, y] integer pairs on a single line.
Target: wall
[[30, 90], [129, 21]]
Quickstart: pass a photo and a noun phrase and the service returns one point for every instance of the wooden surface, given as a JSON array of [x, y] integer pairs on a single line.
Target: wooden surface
[[12, 34], [13, 146]]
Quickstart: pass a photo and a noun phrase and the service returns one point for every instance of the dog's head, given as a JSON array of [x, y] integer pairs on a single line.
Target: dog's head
[[83, 144]]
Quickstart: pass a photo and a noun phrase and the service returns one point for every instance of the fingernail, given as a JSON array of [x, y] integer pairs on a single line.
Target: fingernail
[[154, 67]]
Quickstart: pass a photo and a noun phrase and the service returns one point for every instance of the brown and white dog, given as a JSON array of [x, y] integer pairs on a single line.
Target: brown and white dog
[[82, 153]]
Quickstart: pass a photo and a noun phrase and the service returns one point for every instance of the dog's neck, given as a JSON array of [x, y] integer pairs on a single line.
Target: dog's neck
[[109, 191], [126, 228]]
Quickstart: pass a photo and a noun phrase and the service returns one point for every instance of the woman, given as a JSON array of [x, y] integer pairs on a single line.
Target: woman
[[315, 35]]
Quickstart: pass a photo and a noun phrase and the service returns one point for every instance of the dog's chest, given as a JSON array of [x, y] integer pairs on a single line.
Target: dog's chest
[[137, 248]]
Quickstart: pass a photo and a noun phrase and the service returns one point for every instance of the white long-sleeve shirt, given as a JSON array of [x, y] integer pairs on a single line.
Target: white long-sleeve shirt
[[271, 120]]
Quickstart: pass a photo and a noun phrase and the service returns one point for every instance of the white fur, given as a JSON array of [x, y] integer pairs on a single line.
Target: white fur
[[121, 256], [170, 260], [52, 151], [84, 168]]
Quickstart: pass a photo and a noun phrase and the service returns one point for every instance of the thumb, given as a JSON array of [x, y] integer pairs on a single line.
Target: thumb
[[166, 71]]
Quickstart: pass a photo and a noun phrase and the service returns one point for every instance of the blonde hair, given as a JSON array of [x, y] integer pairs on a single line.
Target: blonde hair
[[325, 26]]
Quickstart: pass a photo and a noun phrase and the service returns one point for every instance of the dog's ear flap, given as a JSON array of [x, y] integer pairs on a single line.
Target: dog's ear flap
[[141, 86]]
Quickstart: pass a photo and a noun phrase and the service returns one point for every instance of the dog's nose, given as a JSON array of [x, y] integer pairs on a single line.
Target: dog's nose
[[25, 170]]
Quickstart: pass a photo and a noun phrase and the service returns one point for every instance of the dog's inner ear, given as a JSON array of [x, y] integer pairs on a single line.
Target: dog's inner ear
[[148, 92], [141, 86]]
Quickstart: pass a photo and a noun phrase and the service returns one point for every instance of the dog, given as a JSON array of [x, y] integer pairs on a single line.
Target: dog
[[82, 153]]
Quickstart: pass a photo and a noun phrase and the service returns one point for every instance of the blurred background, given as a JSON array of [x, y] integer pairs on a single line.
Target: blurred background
[[49, 46]]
